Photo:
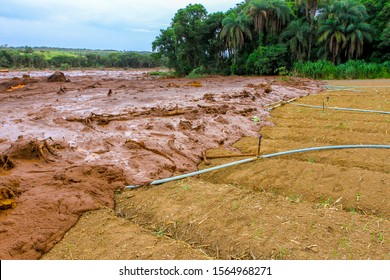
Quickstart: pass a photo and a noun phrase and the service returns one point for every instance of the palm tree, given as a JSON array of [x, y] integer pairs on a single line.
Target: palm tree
[[258, 11], [332, 34], [235, 26], [269, 16], [311, 7], [279, 15], [344, 31], [297, 36], [356, 35]]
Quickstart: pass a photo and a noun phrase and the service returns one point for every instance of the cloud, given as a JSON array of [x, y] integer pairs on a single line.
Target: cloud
[[141, 30], [84, 22]]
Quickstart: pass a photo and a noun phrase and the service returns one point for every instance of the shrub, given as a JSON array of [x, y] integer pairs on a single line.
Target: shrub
[[267, 59], [197, 72], [64, 66]]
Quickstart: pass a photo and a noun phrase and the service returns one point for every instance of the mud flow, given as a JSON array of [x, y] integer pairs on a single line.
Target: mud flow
[[70, 142]]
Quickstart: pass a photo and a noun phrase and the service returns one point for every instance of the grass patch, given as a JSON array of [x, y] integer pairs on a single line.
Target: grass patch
[[162, 74], [295, 198]]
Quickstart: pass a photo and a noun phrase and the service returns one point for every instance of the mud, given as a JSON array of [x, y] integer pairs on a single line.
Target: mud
[[317, 205], [67, 146]]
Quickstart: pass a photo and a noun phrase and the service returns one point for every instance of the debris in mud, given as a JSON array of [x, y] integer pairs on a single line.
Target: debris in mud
[[193, 84], [16, 83], [243, 94], [94, 85], [131, 144], [109, 93], [61, 90], [208, 97], [246, 112], [173, 85], [30, 149], [261, 85], [12, 88], [6, 163], [223, 109], [221, 119], [99, 119], [268, 89], [104, 119], [185, 125], [7, 199], [57, 76]]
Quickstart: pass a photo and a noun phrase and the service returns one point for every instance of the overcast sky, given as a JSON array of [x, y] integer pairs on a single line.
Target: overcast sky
[[92, 24]]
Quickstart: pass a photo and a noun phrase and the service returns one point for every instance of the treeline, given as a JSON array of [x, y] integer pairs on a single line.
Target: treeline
[[39, 58], [278, 37]]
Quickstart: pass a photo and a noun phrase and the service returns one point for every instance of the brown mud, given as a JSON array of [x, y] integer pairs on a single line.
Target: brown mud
[[68, 144]]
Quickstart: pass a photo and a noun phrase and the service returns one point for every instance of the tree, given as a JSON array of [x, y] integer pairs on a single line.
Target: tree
[[258, 10], [235, 26], [269, 16], [332, 34], [185, 41], [215, 50], [379, 14], [384, 45], [165, 45], [297, 34], [343, 31]]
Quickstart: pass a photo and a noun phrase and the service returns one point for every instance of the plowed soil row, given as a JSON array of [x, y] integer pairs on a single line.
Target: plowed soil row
[[317, 205]]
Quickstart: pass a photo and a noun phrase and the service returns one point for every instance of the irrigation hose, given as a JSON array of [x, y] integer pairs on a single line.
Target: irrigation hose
[[161, 181], [341, 109], [337, 87]]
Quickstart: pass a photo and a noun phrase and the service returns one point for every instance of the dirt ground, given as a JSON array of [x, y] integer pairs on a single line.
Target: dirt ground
[[69, 148]]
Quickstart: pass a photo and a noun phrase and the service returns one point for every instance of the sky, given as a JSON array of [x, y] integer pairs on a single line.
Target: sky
[[122, 25]]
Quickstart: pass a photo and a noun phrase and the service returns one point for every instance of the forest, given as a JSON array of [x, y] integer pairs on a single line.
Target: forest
[[312, 38], [64, 59]]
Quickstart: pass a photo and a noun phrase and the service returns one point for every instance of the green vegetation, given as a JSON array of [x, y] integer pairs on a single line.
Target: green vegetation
[[352, 69], [296, 198], [65, 59], [323, 39]]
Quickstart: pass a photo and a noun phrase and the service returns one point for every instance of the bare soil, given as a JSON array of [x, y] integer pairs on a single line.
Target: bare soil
[[69, 148]]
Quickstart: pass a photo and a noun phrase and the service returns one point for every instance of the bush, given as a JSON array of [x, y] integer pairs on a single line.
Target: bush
[[353, 69], [197, 72], [267, 59], [64, 66]]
